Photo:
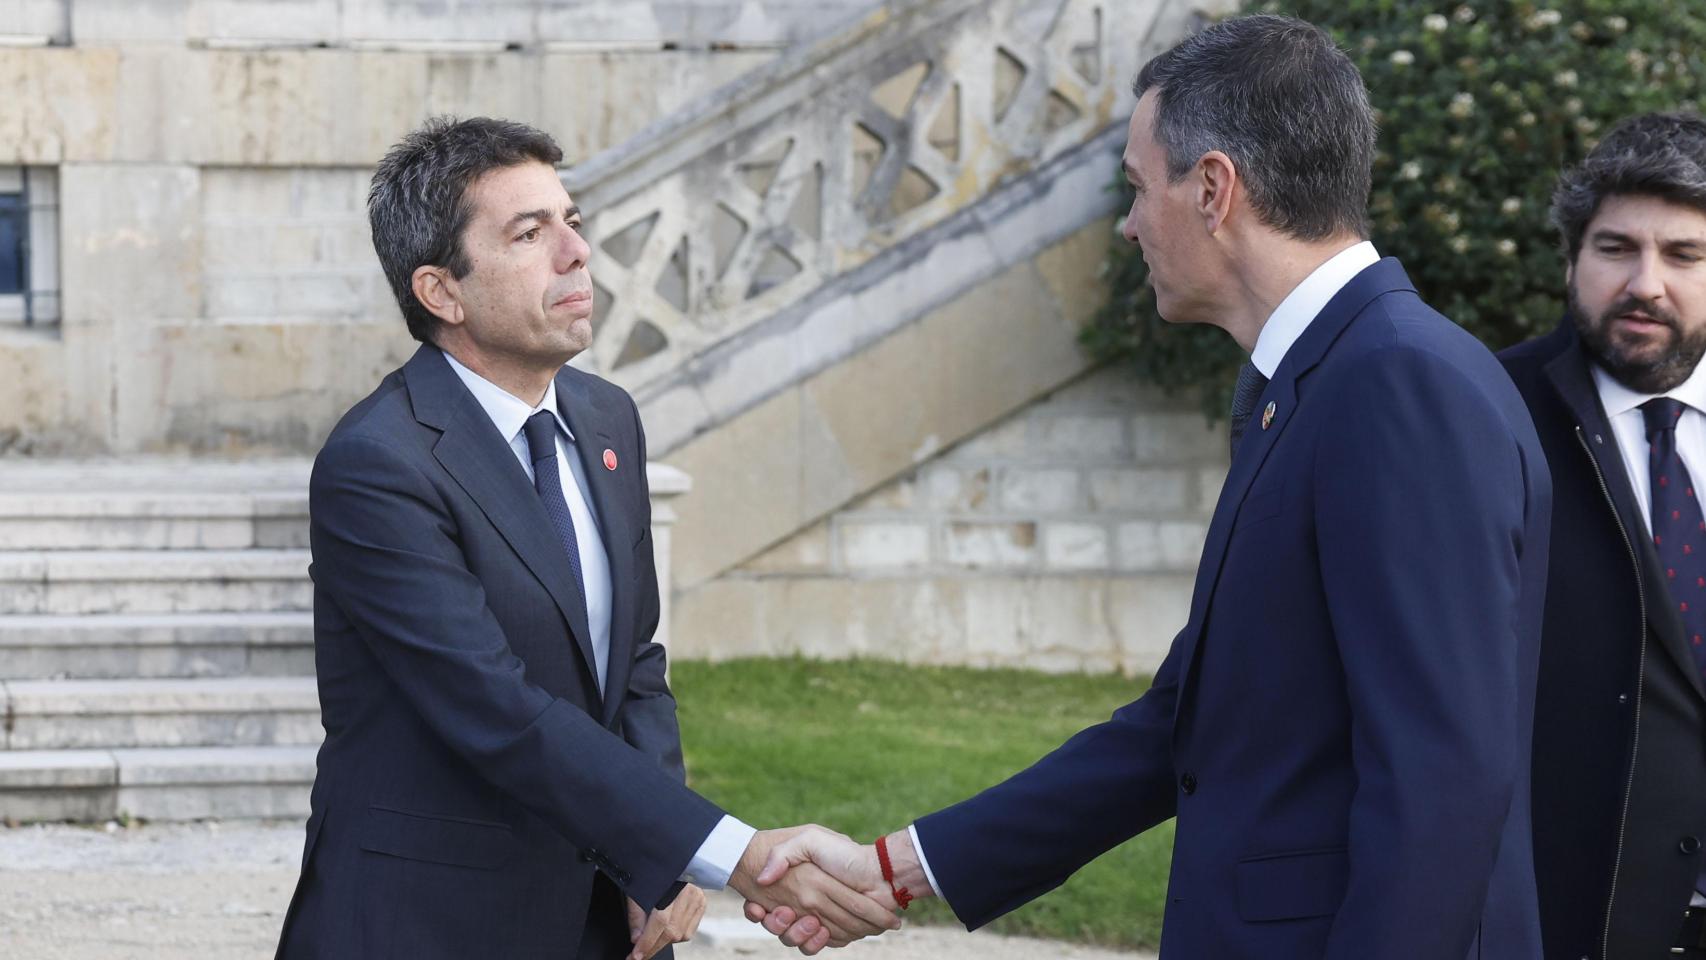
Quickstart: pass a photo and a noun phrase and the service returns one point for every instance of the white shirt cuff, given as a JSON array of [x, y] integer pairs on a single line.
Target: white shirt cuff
[[923, 861], [720, 854]]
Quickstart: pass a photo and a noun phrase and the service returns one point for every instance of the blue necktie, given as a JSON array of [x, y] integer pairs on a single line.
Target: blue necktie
[[541, 430], [1679, 531], [1245, 393]]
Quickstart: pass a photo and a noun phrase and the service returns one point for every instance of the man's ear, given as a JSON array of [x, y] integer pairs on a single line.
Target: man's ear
[[1217, 183], [438, 291]]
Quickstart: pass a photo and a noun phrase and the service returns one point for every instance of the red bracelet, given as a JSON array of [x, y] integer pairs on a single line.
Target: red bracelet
[[901, 896]]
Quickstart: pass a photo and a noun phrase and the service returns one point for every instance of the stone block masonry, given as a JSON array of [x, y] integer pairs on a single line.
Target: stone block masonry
[[1065, 536]]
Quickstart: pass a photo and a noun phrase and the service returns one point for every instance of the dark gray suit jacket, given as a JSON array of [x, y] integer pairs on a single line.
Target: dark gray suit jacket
[[473, 779]]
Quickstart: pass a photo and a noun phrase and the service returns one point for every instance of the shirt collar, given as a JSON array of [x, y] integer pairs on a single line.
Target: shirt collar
[[1307, 299], [509, 413], [1618, 399]]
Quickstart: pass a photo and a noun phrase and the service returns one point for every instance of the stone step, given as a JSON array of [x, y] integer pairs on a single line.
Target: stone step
[[153, 581], [144, 646], [218, 711], [190, 783], [193, 520]]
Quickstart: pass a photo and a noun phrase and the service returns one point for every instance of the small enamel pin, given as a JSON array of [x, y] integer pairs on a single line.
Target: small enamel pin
[[609, 459], [1268, 415]]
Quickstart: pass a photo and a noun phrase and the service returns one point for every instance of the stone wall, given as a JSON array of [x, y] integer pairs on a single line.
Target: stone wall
[[684, 23], [1064, 537], [220, 294]]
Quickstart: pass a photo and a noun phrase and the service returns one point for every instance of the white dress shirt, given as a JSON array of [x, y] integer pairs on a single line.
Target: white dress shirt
[[718, 856], [1305, 301], [1623, 408], [1283, 327]]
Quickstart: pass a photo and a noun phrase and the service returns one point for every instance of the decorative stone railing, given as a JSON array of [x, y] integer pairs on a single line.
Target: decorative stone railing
[[741, 205]]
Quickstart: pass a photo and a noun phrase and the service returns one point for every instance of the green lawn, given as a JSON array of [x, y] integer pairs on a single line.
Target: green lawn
[[866, 747]]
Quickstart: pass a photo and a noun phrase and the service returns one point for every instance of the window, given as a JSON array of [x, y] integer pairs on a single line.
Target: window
[[29, 246]]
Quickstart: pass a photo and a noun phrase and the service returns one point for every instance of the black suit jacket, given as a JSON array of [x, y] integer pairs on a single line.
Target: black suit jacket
[[1620, 715], [473, 779]]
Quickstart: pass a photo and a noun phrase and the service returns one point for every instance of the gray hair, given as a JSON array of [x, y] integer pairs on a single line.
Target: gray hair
[[1659, 155], [418, 205], [1279, 98]]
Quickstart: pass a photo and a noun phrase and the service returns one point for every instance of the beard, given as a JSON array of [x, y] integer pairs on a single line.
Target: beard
[[1643, 366]]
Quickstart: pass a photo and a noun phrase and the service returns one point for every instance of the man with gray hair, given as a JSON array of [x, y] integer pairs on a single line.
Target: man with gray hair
[[1618, 395], [1342, 727]]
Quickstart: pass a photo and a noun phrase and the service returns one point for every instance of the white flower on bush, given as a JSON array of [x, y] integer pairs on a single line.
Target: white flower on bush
[[1573, 105], [1511, 206], [1464, 14], [1411, 170], [1437, 23], [1617, 24], [1459, 244], [1565, 78], [1506, 247], [1462, 105], [1527, 119], [1544, 18], [1402, 58]]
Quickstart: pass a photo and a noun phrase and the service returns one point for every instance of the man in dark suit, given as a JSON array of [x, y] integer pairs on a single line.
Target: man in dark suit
[[502, 771], [1619, 398], [1342, 727]]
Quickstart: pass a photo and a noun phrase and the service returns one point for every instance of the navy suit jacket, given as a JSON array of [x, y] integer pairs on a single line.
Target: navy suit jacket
[[1342, 728], [473, 779]]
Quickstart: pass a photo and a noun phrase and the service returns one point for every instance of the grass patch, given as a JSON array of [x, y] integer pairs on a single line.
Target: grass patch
[[866, 747]]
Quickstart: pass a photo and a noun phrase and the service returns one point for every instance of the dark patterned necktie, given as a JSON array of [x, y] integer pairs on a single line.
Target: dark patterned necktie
[[1245, 393], [541, 430], [1679, 530]]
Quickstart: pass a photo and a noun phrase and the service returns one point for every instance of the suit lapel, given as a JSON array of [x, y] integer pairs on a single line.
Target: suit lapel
[[1260, 440], [482, 463], [1574, 384], [592, 426]]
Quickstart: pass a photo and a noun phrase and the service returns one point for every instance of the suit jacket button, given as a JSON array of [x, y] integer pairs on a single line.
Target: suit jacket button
[[1689, 845], [1188, 783]]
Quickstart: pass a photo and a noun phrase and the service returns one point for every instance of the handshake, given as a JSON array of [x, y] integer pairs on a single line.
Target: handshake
[[815, 888]]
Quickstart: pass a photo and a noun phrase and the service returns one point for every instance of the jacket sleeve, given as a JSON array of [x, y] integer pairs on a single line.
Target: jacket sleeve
[[1020, 839], [385, 551], [1420, 500]]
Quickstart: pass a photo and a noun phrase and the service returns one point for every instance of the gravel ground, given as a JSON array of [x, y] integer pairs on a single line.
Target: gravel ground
[[217, 891]]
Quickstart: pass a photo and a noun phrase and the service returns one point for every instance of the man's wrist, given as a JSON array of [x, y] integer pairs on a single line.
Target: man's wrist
[[908, 869], [744, 879]]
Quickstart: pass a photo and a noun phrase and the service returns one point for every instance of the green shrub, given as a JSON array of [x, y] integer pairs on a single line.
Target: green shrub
[[1480, 104]]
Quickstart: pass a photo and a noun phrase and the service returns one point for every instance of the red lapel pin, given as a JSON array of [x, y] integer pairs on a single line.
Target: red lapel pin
[[609, 459]]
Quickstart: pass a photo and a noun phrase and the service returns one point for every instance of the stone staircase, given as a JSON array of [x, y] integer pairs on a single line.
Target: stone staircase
[[156, 641]]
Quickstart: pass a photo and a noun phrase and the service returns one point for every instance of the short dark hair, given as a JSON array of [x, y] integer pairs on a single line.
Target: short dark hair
[[418, 205], [1277, 96], [1659, 155]]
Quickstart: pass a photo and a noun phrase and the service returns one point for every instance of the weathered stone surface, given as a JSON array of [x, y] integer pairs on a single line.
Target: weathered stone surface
[[495, 23], [1076, 623], [135, 250], [263, 387], [1076, 546], [1040, 489], [990, 546], [879, 545]]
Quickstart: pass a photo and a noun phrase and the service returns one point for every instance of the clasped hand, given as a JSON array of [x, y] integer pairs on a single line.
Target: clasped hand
[[813, 888]]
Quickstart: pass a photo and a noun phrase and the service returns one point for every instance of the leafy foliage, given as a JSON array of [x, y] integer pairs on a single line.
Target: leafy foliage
[[1480, 105]]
